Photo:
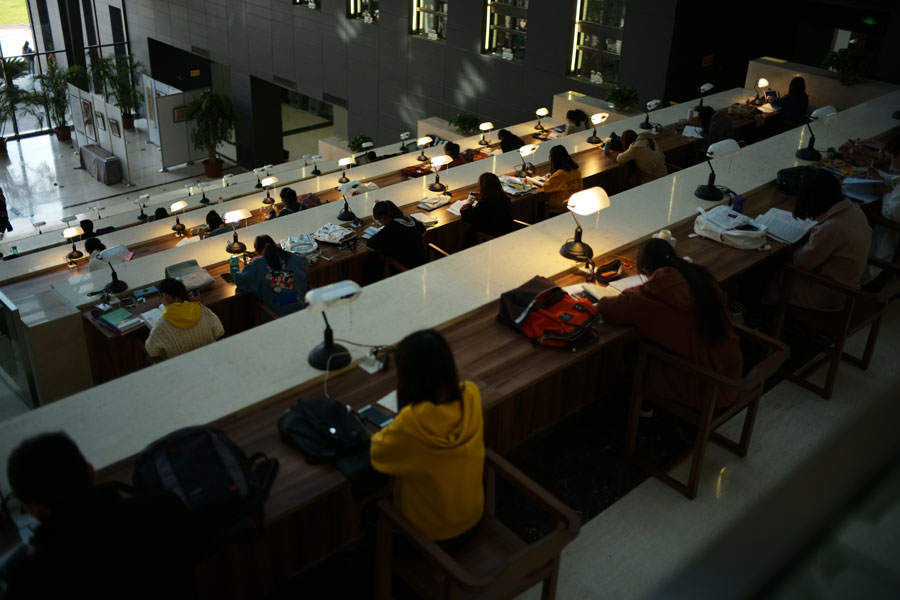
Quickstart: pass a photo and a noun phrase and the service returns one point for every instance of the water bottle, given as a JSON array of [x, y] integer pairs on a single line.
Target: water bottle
[[233, 265]]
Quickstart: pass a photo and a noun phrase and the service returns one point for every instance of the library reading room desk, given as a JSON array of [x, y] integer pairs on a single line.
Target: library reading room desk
[[243, 382]]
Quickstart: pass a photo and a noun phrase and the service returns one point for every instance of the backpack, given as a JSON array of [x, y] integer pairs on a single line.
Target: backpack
[[788, 180], [308, 201], [223, 489], [864, 153], [547, 315], [722, 224]]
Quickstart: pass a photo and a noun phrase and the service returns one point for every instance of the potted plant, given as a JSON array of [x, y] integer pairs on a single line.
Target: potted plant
[[622, 97], [10, 94], [356, 144], [214, 118], [53, 96], [465, 123], [848, 62], [120, 75]]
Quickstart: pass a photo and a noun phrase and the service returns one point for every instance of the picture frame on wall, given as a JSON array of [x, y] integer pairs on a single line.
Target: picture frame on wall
[[114, 128], [87, 112], [101, 122], [179, 114]]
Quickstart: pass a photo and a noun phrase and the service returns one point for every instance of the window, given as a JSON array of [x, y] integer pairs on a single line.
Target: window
[[597, 43], [504, 32], [313, 4], [429, 19], [367, 10]]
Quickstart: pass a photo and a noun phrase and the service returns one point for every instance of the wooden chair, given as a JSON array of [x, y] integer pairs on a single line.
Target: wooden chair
[[707, 418], [486, 237], [435, 252], [494, 563], [861, 309], [392, 266], [263, 313]]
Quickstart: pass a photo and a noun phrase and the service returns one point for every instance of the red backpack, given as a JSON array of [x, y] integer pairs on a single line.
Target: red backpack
[[547, 315]]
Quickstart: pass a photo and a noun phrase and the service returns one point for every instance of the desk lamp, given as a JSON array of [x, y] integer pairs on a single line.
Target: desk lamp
[[346, 190], [703, 89], [436, 163], [178, 227], [203, 199], [810, 152], [268, 182], [116, 285], [541, 113], [226, 179], [717, 150], [421, 143], [70, 234], [485, 127], [597, 119], [403, 137], [652, 105], [257, 171], [37, 225], [585, 202], [344, 163], [142, 202], [761, 83], [527, 168], [236, 246], [328, 355], [315, 172]]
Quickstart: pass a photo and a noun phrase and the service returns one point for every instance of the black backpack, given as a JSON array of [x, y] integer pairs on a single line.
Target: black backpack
[[788, 180], [223, 490]]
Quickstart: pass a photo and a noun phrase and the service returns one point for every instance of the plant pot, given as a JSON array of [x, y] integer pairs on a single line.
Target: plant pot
[[127, 121], [63, 134], [214, 169]]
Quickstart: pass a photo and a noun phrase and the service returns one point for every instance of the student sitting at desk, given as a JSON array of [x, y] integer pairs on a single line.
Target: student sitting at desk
[[682, 309], [564, 180], [215, 225], [794, 105], [276, 277], [184, 325], [884, 240], [576, 120], [400, 237], [94, 540], [160, 213], [715, 126], [100, 255], [291, 205], [648, 158], [509, 141], [491, 214], [88, 226], [434, 447], [451, 149]]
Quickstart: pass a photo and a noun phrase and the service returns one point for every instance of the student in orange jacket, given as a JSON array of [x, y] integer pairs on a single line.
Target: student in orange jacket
[[434, 448], [564, 180]]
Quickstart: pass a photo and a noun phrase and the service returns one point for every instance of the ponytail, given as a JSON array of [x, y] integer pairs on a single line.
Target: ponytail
[[275, 257]]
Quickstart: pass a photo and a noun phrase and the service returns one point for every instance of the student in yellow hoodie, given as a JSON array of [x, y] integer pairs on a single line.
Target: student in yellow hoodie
[[184, 325], [434, 448]]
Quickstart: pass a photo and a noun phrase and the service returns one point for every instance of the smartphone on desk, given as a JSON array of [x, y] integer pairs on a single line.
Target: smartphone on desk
[[374, 416], [128, 303], [228, 277]]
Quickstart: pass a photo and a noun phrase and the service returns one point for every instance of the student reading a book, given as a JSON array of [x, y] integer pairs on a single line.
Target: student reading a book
[[434, 448], [682, 309], [400, 237], [576, 120], [794, 105], [649, 160], [185, 325], [276, 277], [488, 210], [564, 180]]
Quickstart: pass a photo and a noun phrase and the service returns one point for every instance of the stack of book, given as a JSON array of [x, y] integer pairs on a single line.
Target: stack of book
[[119, 320]]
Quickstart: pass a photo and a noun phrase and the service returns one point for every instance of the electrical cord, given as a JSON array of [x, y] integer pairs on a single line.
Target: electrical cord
[[374, 347]]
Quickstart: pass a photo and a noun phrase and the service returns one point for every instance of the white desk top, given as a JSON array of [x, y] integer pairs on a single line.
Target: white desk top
[[117, 419]]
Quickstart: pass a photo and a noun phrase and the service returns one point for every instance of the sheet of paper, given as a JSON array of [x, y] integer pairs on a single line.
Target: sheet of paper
[[454, 208], [694, 132], [864, 190], [390, 402], [783, 227], [768, 108], [628, 282], [596, 292]]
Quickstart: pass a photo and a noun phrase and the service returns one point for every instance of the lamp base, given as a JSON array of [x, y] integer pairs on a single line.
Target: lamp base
[[328, 356], [708, 192], [645, 125], [437, 187], [483, 143], [525, 171], [422, 158], [204, 200], [74, 254], [343, 179], [258, 184], [268, 200], [117, 287], [346, 215], [179, 228], [539, 127], [236, 247], [315, 172], [594, 140], [810, 154], [577, 250], [143, 218]]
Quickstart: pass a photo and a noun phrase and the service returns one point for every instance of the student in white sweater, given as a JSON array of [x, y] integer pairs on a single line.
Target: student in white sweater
[[184, 325]]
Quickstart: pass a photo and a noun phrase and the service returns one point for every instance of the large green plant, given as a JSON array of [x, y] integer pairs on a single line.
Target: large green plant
[[356, 143], [11, 96], [622, 96], [848, 62], [214, 118], [120, 76], [465, 122], [52, 94]]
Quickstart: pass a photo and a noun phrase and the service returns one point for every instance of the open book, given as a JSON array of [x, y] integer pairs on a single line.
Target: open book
[[456, 206], [783, 227]]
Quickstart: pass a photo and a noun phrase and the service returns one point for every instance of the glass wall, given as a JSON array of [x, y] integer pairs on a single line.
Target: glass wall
[[429, 19], [506, 22], [597, 42], [366, 10]]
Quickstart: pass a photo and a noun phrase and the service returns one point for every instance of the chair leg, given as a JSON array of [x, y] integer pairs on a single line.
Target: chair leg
[[634, 407], [383, 554], [747, 430], [548, 589], [704, 429], [863, 363], [833, 364]]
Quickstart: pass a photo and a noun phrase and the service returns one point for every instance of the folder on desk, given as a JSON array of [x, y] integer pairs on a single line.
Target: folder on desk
[[119, 320]]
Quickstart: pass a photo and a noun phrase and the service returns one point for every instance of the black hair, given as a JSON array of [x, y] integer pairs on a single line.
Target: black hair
[[426, 371], [893, 145], [88, 226], [712, 321], [289, 197], [91, 244], [372, 156], [628, 137], [47, 469], [213, 220], [174, 288], [160, 213], [451, 149], [276, 257], [489, 187], [819, 191], [797, 86], [505, 133], [706, 114], [560, 159], [386, 208], [577, 116]]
